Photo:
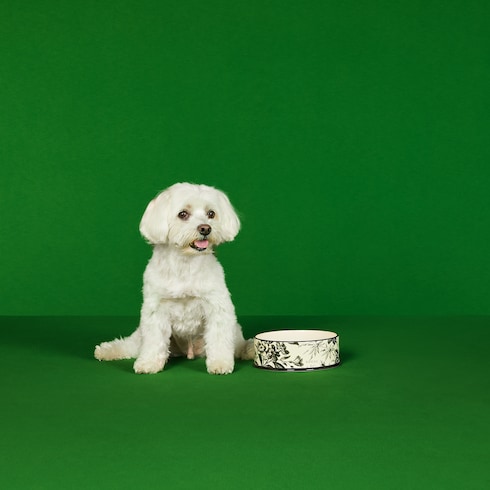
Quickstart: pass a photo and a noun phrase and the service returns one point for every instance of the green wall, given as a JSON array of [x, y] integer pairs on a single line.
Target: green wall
[[353, 137]]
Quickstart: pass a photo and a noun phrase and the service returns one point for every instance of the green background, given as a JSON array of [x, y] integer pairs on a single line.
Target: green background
[[351, 136], [408, 409]]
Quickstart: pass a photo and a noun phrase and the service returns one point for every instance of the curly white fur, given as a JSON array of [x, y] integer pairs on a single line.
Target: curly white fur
[[187, 309]]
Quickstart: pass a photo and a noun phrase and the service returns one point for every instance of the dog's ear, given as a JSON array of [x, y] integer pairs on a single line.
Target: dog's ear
[[230, 223], [154, 223]]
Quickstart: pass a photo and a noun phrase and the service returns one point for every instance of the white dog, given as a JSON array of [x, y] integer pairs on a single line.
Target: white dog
[[187, 309]]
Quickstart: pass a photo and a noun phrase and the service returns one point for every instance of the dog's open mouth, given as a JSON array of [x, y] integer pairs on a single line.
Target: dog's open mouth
[[200, 245]]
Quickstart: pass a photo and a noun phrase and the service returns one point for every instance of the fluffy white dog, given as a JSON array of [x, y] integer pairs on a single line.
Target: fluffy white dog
[[187, 309]]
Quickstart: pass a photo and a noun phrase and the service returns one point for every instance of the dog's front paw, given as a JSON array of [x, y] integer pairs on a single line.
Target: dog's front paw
[[219, 366], [148, 366]]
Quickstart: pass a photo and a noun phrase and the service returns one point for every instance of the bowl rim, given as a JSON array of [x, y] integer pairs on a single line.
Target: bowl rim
[[294, 335]]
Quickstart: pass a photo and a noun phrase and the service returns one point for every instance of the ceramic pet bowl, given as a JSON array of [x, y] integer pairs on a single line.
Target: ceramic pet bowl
[[296, 350]]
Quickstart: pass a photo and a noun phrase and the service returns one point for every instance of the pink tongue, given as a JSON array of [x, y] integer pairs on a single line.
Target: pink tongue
[[201, 243]]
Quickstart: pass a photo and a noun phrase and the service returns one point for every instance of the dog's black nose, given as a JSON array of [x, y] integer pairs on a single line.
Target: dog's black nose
[[204, 230]]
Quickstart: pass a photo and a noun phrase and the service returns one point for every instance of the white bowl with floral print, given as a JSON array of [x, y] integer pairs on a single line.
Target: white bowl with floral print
[[296, 350]]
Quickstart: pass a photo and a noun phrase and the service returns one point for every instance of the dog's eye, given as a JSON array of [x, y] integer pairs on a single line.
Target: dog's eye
[[183, 215], [211, 214]]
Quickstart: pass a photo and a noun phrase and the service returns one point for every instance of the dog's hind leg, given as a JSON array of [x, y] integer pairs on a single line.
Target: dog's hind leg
[[123, 348], [244, 349]]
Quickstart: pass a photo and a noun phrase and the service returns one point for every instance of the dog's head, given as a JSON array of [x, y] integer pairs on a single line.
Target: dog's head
[[192, 217]]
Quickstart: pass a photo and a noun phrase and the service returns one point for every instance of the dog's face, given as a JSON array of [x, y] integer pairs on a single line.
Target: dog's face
[[192, 217]]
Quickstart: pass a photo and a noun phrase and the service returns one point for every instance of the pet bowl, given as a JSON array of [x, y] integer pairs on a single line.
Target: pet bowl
[[296, 350]]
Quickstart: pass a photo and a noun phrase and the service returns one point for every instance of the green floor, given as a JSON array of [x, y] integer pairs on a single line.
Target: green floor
[[408, 408]]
